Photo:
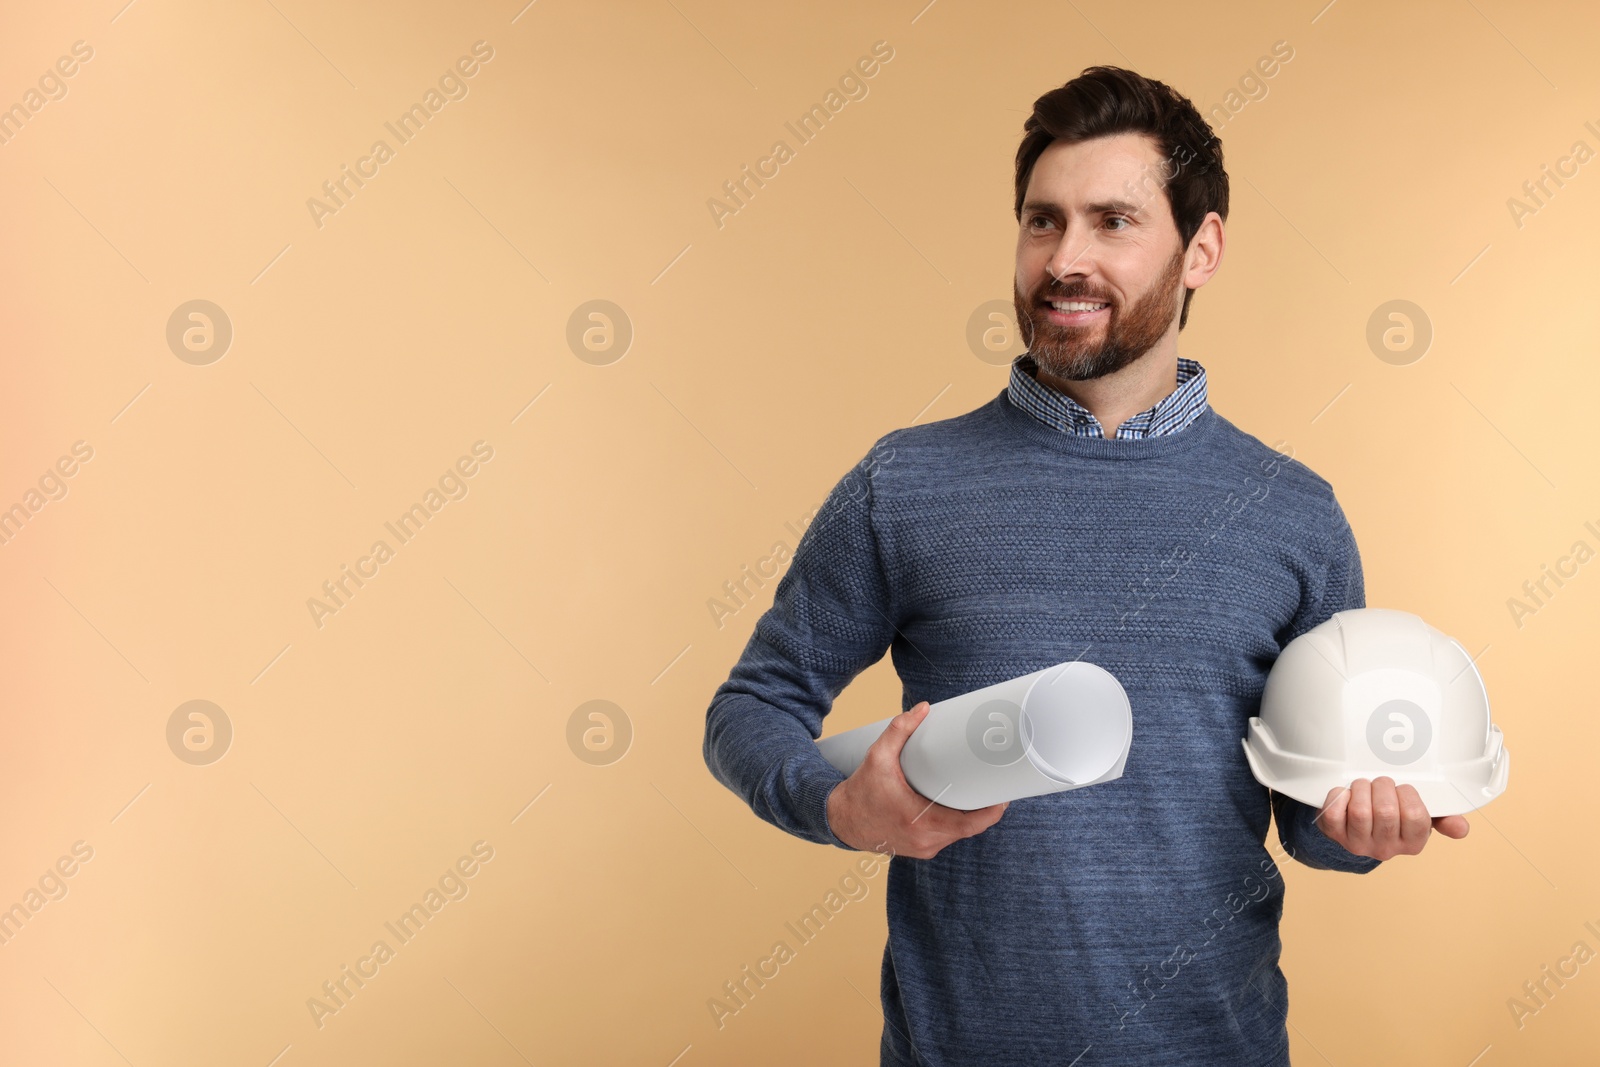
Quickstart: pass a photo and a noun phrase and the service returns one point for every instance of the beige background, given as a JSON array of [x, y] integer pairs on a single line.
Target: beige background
[[431, 310]]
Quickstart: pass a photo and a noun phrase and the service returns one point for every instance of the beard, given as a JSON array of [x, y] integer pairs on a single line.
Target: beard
[[1071, 352]]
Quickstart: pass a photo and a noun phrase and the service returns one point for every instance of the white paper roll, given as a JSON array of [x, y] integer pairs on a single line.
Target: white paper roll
[[1063, 727]]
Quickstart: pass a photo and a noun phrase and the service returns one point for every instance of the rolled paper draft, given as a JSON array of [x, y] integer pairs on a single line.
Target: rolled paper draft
[[1060, 728]]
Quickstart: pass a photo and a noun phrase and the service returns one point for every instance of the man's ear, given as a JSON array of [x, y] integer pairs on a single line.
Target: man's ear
[[1205, 251]]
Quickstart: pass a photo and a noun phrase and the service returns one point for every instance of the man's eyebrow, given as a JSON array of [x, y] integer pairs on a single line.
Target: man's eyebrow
[[1101, 207]]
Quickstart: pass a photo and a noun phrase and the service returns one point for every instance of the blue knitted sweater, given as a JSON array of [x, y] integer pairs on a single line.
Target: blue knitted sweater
[[1133, 922]]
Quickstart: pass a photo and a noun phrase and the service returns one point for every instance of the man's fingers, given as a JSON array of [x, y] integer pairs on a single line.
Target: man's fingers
[[956, 823], [1455, 826], [950, 820], [1385, 810], [983, 818], [1415, 826], [1358, 813]]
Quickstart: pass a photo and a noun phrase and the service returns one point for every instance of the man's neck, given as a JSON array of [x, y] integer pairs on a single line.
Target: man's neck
[[1116, 397]]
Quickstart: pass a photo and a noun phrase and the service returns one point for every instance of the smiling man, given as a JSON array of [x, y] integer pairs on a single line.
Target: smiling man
[[1097, 508]]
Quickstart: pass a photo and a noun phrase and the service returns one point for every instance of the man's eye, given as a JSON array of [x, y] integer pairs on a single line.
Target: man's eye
[[1036, 220], [1120, 218]]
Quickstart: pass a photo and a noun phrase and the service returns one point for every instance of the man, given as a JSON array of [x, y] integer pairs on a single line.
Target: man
[[1097, 508]]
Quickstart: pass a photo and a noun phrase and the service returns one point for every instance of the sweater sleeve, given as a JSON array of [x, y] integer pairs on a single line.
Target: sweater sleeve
[[831, 619], [1344, 588]]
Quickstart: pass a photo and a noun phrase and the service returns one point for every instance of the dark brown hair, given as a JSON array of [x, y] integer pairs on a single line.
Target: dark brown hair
[[1109, 100]]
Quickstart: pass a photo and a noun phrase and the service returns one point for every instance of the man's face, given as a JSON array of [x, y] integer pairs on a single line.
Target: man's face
[[1096, 227]]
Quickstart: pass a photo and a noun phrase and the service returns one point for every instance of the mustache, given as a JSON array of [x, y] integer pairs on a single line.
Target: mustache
[[1072, 293]]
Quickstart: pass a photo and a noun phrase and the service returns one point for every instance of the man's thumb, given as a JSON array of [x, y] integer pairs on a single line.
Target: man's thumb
[[894, 738]]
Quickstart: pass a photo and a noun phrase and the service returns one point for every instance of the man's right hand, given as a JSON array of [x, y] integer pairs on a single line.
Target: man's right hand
[[876, 810]]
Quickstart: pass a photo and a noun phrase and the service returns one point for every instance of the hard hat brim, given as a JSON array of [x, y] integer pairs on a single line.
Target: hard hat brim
[[1466, 787]]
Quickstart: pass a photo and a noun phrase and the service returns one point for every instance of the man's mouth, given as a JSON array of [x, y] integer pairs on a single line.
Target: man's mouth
[[1075, 312]]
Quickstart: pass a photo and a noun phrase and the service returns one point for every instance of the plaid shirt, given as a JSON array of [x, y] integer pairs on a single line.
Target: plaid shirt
[[1058, 410]]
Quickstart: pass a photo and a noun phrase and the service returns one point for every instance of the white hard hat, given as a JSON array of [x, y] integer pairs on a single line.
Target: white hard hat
[[1374, 692]]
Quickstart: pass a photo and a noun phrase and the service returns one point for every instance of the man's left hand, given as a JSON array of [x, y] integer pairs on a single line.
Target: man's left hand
[[1380, 820]]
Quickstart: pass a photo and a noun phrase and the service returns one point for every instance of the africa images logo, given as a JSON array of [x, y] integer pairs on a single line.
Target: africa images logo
[[1399, 732]]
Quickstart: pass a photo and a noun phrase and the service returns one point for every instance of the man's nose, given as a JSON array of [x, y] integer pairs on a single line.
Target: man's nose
[[1073, 255]]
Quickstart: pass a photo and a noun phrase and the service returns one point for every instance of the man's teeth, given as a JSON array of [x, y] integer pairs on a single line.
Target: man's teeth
[[1075, 305]]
